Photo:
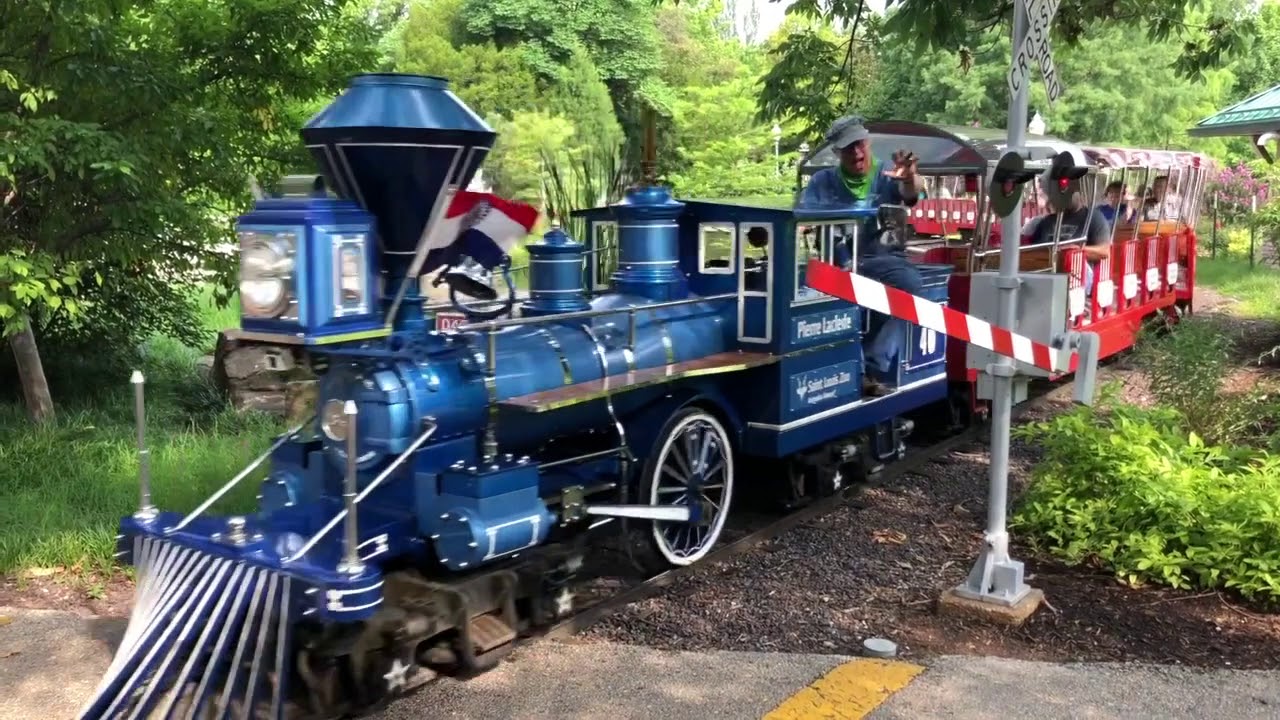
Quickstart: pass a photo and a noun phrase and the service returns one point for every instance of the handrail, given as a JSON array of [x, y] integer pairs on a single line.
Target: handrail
[[490, 325], [382, 476], [1037, 246], [239, 477], [447, 305]]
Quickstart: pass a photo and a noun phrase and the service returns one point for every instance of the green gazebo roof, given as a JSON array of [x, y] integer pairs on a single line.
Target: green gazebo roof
[[1252, 116]]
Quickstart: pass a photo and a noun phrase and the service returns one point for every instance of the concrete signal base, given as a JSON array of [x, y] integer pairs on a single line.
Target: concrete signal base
[[1013, 615]]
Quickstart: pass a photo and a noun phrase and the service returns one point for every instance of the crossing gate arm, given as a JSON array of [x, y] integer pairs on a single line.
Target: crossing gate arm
[[868, 293]]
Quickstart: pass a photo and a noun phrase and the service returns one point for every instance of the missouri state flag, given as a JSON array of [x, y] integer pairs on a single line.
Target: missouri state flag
[[482, 226]]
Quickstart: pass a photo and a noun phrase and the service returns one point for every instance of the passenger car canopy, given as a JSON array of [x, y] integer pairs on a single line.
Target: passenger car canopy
[[1110, 157], [941, 149]]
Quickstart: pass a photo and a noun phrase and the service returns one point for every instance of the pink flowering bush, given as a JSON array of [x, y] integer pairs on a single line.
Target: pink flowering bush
[[1234, 189]]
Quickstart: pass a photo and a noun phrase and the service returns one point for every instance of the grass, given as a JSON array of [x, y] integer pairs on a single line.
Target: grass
[[1257, 289], [65, 486]]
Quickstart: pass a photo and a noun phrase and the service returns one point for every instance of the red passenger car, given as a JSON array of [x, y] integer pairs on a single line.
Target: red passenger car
[[1151, 270]]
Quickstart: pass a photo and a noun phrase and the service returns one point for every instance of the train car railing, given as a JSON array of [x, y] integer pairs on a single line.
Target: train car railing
[[944, 216], [1140, 271], [489, 326]]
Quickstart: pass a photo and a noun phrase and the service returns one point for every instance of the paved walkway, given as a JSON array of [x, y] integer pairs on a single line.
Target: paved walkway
[[50, 662]]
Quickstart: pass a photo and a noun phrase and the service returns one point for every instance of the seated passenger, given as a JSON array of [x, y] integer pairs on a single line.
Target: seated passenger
[[859, 181], [1114, 206], [1074, 220], [1167, 204]]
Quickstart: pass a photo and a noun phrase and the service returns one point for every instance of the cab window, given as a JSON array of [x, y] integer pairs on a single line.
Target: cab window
[[757, 276], [830, 243], [715, 248]]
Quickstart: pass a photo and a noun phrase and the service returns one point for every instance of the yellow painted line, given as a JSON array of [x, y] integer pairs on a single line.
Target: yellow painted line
[[848, 692]]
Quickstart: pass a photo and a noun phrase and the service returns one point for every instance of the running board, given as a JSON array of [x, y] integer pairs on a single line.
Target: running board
[[670, 513]]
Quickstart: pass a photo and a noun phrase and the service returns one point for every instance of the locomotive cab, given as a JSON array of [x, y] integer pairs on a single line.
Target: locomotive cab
[[760, 255]]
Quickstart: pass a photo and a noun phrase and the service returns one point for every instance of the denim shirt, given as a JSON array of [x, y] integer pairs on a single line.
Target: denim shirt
[[826, 191]]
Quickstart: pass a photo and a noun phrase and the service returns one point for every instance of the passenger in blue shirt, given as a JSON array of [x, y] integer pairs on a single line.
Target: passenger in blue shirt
[[1115, 205], [858, 182]]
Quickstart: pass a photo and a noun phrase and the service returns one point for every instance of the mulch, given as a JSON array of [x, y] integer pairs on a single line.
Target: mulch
[[878, 570]]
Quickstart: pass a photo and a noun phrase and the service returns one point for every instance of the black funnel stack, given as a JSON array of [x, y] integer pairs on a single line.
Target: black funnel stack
[[396, 144]]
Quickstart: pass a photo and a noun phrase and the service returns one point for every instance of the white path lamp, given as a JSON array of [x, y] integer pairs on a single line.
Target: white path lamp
[[1036, 126]]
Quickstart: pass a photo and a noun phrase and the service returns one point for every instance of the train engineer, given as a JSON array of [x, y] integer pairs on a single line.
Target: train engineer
[[855, 181]]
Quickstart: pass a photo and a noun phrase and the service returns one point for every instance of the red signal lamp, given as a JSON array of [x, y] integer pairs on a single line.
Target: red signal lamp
[[1064, 183]]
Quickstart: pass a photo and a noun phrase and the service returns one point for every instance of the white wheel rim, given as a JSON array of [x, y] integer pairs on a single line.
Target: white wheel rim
[[699, 447]]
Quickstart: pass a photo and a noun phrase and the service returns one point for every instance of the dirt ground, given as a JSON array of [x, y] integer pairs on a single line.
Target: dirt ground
[[877, 568]]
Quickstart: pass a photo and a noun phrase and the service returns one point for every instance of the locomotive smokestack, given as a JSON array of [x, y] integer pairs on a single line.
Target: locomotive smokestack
[[400, 146]]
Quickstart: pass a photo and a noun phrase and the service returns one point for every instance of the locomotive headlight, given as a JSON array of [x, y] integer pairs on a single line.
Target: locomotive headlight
[[266, 273], [333, 421]]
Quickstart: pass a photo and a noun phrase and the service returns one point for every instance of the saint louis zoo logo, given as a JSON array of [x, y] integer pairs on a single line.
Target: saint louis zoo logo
[[811, 391]]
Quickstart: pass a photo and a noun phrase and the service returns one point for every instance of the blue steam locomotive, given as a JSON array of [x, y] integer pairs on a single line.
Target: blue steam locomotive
[[442, 498]]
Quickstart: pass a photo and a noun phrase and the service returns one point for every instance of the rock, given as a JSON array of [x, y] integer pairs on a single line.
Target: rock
[[262, 377], [244, 362], [205, 366], [301, 397], [272, 402]]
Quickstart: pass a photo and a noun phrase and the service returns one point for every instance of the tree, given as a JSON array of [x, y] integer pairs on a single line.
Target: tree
[[817, 75], [617, 35], [1113, 82], [726, 151], [809, 82], [1260, 68], [500, 85], [491, 80], [1212, 30], [581, 96], [127, 133], [524, 142], [693, 52]]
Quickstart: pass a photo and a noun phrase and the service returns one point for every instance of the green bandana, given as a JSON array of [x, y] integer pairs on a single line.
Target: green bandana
[[859, 186]]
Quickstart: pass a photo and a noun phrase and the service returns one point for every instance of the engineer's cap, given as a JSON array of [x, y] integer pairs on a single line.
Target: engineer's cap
[[847, 131]]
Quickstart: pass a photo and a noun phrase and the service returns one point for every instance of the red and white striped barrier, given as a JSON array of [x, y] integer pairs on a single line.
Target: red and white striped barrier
[[872, 295]]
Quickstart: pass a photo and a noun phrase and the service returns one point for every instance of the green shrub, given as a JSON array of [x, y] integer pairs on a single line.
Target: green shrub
[[1132, 490], [1185, 368]]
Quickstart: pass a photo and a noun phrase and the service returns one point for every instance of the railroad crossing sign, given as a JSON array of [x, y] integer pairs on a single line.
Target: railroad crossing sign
[[1035, 47]]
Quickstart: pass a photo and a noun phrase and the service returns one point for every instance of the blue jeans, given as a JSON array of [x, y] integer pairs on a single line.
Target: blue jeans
[[894, 270]]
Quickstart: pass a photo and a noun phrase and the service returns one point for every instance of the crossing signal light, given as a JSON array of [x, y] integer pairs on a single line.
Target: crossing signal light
[[1062, 180], [1007, 181]]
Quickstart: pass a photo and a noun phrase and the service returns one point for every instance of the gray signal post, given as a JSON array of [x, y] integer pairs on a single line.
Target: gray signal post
[[995, 584]]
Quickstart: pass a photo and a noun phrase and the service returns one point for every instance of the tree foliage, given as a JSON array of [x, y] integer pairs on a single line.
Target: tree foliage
[[1212, 32], [617, 35], [815, 75], [128, 132]]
